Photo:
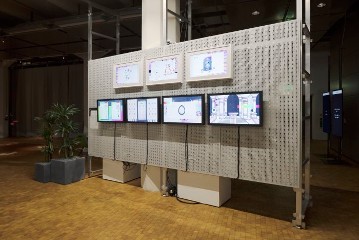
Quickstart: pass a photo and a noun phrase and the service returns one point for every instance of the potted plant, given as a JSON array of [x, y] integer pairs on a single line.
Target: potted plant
[[59, 124]]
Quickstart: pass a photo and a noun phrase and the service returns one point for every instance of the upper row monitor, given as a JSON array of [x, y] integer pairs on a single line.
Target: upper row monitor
[[208, 64]]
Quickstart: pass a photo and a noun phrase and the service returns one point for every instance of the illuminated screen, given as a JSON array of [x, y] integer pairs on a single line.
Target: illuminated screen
[[163, 70], [110, 110], [337, 110], [326, 112], [127, 74], [183, 109], [144, 110], [209, 64], [235, 108]]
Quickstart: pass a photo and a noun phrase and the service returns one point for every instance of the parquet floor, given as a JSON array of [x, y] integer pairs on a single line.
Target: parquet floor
[[99, 209]]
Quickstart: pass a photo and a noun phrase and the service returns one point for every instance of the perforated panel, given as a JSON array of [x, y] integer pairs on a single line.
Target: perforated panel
[[265, 58]]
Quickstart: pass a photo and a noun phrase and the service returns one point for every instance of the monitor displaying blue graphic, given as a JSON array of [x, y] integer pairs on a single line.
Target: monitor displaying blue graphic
[[337, 113], [183, 109], [110, 110], [235, 108], [143, 110], [326, 112]]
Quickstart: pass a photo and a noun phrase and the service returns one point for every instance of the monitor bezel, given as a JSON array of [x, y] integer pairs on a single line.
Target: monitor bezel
[[111, 99], [226, 124], [119, 85], [228, 75], [179, 80], [158, 107], [182, 123], [331, 111]]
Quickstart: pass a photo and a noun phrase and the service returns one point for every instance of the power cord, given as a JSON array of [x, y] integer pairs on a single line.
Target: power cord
[[238, 151], [186, 148], [145, 168], [114, 142]]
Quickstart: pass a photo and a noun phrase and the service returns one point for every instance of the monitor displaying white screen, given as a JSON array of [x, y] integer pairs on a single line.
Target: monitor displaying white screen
[[164, 70], [183, 109], [143, 110], [211, 64], [110, 110], [127, 75], [235, 108]]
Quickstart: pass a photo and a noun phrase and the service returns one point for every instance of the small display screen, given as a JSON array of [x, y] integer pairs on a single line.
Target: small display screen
[[145, 110], [326, 112], [110, 110], [209, 64], [337, 110], [235, 108], [128, 74], [183, 109], [163, 69]]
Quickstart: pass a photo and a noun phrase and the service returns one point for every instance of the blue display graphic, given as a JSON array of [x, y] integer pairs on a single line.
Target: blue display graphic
[[235, 108], [326, 112], [183, 109], [337, 110]]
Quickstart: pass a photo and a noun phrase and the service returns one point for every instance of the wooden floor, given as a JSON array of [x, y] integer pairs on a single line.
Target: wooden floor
[[99, 209]]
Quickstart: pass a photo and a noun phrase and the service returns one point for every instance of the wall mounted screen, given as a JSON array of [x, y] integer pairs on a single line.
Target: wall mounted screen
[[235, 108], [326, 112], [110, 110], [337, 113], [211, 64], [164, 70], [183, 109], [127, 75], [143, 110]]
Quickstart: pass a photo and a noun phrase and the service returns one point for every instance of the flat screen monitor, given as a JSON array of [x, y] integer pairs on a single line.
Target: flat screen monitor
[[164, 70], [337, 113], [127, 75], [326, 112], [110, 110], [210, 64], [236, 108], [143, 110], [186, 109]]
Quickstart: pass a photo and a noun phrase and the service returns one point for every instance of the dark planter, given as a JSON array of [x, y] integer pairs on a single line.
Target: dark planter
[[66, 171], [43, 172]]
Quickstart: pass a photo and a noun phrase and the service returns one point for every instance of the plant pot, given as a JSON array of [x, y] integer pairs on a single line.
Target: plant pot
[[66, 171], [43, 172]]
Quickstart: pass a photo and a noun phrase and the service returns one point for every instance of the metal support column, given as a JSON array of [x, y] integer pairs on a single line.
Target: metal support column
[[303, 198], [189, 19], [89, 33], [118, 26]]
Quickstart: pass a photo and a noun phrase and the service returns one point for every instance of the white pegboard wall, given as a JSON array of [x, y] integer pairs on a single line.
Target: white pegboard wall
[[264, 59]]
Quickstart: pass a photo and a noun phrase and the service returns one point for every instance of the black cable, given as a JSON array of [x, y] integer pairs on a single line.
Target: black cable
[[114, 142], [185, 200], [186, 147], [238, 152], [146, 147]]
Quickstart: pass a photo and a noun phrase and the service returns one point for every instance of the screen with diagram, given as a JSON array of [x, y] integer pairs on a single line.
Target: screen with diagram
[[163, 70], [326, 112], [183, 109], [110, 110], [143, 110], [337, 113], [235, 108], [210, 64], [127, 75]]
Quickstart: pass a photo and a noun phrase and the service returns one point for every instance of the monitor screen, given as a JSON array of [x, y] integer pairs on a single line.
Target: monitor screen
[[337, 110], [326, 112], [110, 110], [183, 109], [212, 64], [127, 75], [235, 108], [164, 70], [143, 110]]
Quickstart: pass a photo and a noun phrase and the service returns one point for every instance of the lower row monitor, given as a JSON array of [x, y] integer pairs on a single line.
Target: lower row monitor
[[223, 109]]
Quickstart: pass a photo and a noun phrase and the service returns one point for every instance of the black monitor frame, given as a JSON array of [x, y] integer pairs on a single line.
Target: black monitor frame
[[226, 124], [182, 123], [113, 99], [332, 112], [158, 110]]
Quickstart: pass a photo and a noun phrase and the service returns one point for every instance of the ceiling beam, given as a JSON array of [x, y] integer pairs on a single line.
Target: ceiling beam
[[13, 9], [69, 6]]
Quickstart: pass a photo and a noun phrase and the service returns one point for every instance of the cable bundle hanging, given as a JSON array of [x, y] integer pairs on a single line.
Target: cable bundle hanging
[[114, 142], [186, 147], [238, 152]]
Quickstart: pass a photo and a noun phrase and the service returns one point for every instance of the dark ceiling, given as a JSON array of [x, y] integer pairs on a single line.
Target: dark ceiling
[[39, 28]]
